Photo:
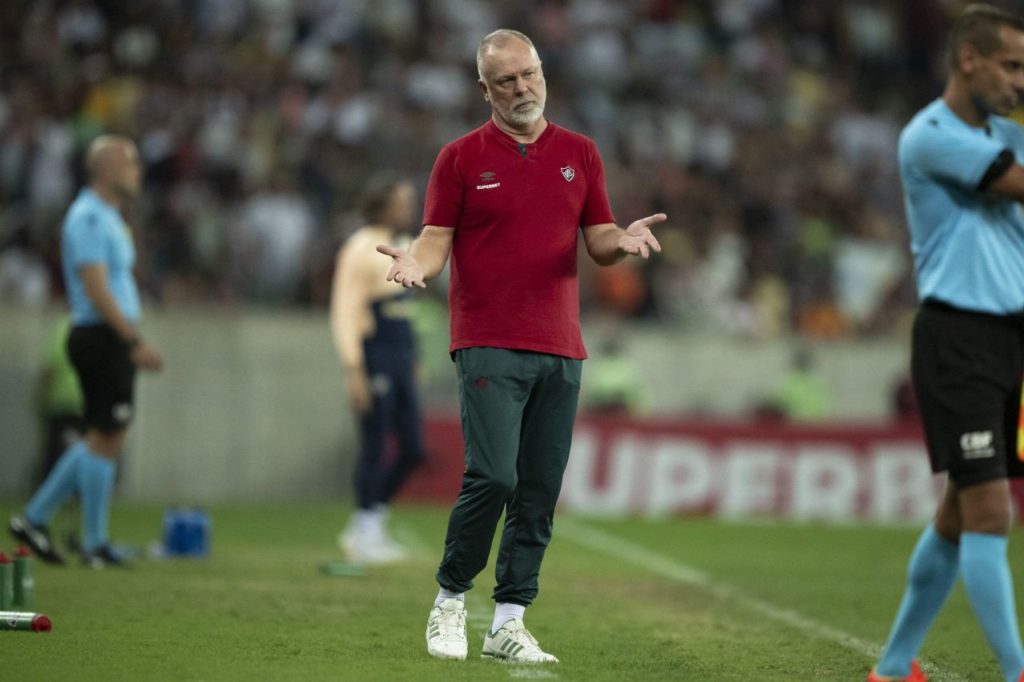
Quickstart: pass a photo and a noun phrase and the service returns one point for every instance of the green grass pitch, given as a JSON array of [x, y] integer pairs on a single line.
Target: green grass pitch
[[675, 599]]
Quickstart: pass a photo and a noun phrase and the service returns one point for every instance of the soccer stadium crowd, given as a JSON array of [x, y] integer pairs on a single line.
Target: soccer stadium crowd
[[765, 129]]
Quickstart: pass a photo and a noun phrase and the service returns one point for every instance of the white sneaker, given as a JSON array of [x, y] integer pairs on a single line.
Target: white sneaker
[[446, 630], [513, 643], [347, 542], [392, 548], [360, 549]]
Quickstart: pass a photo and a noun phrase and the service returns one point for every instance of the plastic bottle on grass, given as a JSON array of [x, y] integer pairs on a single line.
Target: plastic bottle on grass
[[27, 622], [23, 581], [6, 582]]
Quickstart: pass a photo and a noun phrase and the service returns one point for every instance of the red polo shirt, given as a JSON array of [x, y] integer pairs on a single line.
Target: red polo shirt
[[516, 210]]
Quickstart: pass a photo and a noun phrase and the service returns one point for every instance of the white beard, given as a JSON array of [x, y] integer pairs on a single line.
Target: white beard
[[525, 118]]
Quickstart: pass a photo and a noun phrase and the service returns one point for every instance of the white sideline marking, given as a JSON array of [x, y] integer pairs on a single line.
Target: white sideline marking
[[408, 538], [631, 553], [479, 613], [532, 673]]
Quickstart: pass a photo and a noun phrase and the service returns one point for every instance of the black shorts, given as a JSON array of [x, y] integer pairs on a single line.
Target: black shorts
[[967, 368], [106, 374]]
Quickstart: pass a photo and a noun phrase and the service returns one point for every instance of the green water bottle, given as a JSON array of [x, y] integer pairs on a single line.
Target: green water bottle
[[6, 582], [23, 582], [28, 622]]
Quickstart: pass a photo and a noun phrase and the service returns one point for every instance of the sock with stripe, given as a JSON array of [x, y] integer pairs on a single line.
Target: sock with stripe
[[931, 575], [96, 486], [57, 488], [986, 575]]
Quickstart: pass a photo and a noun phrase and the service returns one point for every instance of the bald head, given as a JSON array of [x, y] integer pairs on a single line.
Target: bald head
[[112, 164], [497, 40]]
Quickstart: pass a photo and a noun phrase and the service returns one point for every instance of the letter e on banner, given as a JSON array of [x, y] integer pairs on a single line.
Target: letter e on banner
[[750, 480], [825, 481]]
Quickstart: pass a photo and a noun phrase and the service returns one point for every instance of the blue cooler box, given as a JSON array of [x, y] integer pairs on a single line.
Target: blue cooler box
[[186, 532]]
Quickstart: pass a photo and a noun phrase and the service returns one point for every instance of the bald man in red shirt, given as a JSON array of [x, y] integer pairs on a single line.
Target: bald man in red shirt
[[507, 202]]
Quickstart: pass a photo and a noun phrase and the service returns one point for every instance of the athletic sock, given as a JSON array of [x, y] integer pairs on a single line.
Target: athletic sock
[[448, 594], [96, 486], [931, 575], [504, 612], [57, 488], [986, 575], [366, 526]]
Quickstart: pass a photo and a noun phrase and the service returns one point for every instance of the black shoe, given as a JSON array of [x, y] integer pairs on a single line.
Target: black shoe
[[37, 538], [102, 557]]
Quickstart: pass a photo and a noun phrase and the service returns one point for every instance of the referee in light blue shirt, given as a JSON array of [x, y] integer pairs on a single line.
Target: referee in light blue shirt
[[105, 348], [963, 183]]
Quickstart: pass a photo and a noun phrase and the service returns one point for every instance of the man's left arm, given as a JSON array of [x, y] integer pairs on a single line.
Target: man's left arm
[[607, 243]]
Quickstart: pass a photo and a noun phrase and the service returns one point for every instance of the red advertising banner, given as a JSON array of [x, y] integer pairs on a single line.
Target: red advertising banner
[[622, 466]]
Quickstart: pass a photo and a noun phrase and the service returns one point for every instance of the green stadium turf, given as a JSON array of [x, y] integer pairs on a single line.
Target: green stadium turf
[[675, 599]]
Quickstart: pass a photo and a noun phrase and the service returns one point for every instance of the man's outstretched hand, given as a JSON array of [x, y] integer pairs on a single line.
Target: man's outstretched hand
[[638, 239], [404, 269]]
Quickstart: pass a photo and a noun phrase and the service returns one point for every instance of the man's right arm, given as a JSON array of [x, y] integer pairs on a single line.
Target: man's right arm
[[1008, 184], [969, 161], [432, 248], [94, 280], [424, 260]]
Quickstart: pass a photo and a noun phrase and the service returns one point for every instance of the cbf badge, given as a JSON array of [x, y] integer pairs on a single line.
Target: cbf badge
[[568, 173]]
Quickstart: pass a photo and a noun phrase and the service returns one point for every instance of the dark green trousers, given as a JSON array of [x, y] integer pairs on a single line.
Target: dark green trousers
[[518, 410]]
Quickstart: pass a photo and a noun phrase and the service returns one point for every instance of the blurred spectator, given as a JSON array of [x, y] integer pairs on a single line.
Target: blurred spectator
[[801, 394], [270, 241], [613, 383], [765, 128]]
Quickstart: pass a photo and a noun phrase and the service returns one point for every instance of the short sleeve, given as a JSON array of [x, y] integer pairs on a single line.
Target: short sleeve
[[939, 151], [86, 242], [596, 208], [442, 205]]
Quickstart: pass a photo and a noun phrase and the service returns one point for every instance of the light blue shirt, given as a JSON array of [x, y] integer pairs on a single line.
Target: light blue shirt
[[968, 245], [95, 233]]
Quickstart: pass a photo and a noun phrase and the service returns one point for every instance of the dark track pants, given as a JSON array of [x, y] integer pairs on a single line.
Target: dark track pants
[[395, 411], [518, 410]]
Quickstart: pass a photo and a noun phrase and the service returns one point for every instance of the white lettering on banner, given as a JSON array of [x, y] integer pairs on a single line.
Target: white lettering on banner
[[580, 490], [825, 480], [663, 473], [750, 483], [681, 477], [901, 486]]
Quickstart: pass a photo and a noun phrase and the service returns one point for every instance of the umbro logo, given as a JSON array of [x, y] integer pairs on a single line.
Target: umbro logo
[[487, 180]]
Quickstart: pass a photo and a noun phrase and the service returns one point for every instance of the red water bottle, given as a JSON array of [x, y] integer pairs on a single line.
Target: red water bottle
[[6, 582]]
